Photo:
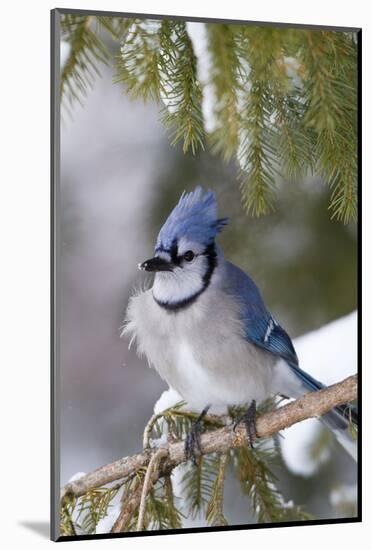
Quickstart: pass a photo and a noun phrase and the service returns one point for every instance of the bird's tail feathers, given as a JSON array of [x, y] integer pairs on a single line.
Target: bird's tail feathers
[[339, 420]]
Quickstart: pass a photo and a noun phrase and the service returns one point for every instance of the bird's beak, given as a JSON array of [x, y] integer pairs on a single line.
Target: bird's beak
[[156, 264]]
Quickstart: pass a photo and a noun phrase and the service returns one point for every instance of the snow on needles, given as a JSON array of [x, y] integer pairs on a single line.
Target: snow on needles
[[198, 35], [65, 49], [330, 353]]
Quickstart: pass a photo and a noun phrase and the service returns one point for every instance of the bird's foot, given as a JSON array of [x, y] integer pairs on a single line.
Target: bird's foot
[[249, 419], [192, 444]]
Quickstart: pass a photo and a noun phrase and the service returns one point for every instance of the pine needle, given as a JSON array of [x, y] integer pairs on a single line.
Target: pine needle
[[214, 512], [87, 52], [285, 99]]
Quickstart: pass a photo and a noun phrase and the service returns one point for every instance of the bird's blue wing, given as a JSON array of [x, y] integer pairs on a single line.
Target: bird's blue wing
[[261, 328]]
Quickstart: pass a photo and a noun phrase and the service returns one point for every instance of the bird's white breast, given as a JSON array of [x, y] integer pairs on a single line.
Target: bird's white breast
[[193, 380], [200, 351]]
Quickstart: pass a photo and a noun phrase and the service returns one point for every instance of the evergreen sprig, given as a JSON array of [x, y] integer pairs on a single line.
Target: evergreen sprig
[[87, 51], [117, 27], [138, 65], [94, 506], [257, 153], [285, 100], [67, 527], [258, 482], [227, 75], [161, 510], [82, 515], [330, 65], [214, 512], [179, 422], [201, 486], [180, 88], [197, 484]]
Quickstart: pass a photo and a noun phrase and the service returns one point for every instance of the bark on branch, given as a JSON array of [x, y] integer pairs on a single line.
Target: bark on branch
[[311, 405]]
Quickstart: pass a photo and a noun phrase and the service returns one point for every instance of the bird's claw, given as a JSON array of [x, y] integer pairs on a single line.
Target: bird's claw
[[192, 444], [249, 419]]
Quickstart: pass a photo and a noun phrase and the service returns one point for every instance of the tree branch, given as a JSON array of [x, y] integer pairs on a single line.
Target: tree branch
[[149, 480], [127, 510], [311, 405]]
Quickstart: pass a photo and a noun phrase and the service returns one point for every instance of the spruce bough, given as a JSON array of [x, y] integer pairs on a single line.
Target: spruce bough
[[284, 100]]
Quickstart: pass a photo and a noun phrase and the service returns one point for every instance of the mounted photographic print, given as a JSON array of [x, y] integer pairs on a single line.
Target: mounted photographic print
[[204, 274]]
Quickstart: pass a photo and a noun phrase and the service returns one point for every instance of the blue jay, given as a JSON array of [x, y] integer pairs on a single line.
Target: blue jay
[[205, 328]]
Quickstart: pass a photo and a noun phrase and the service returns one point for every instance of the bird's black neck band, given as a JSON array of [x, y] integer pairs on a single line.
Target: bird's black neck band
[[212, 261]]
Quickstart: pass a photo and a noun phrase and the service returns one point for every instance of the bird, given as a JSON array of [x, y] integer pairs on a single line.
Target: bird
[[204, 326]]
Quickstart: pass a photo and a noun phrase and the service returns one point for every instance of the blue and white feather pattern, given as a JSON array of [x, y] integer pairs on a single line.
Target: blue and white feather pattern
[[262, 329], [204, 325]]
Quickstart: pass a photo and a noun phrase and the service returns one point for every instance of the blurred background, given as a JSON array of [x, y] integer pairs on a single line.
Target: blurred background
[[119, 180]]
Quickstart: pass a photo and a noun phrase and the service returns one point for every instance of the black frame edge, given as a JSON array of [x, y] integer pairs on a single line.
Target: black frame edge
[[205, 19]]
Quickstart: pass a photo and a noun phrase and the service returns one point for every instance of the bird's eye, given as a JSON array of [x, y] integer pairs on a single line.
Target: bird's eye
[[189, 255]]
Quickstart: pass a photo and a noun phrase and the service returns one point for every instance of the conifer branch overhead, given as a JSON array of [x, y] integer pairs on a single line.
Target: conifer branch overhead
[[282, 102], [87, 52]]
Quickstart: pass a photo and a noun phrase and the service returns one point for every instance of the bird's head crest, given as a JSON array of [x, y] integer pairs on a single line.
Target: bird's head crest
[[194, 217]]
